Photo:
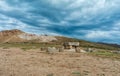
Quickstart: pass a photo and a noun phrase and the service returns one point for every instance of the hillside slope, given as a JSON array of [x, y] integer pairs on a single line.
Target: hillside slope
[[15, 35], [88, 44]]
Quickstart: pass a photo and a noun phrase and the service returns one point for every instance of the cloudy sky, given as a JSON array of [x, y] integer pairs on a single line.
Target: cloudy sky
[[94, 20]]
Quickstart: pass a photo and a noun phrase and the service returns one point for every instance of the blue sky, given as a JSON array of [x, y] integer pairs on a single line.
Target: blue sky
[[93, 20]]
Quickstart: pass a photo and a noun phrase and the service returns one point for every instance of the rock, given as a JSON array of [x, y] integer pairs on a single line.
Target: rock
[[52, 50], [61, 49], [78, 50]]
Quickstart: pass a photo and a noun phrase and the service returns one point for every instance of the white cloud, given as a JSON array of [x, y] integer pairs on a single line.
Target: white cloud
[[98, 34], [11, 23], [95, 9], [111, 36], [116, 25], [60, 3], [4, 6]]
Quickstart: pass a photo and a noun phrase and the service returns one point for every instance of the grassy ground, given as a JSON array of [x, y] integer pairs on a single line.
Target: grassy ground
[[106, 54], [28, 45]]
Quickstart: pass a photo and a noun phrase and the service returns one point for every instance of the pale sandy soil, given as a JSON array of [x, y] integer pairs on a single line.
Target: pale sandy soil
[[16, 62]]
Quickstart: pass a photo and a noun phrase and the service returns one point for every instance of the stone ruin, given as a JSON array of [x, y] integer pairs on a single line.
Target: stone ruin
[[73, 46], [52, 50], [67, 46]]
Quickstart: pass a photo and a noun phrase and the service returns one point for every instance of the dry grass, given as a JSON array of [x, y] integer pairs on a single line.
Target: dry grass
[[33, 62]]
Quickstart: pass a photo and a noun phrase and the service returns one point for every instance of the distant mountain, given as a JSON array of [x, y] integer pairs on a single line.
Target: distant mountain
[[109, 44]]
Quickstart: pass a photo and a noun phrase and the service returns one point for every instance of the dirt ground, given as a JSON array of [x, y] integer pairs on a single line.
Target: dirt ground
[[18, 62]]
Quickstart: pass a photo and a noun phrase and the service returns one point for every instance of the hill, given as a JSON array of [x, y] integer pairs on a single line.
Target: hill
[[18, 36], [88, 44]]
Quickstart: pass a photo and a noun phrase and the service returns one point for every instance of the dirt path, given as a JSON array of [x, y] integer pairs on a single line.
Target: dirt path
[[16, 62]]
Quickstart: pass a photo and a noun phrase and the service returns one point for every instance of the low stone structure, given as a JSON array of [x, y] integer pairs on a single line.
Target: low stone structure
[[70, 45], [67, 46]]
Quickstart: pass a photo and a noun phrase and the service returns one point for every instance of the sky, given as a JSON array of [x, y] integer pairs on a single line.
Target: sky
[[92, 20]]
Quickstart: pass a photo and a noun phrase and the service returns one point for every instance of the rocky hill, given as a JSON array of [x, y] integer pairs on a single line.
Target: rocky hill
[[16, 35]]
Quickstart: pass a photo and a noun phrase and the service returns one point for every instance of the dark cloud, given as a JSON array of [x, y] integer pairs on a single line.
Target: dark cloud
[[95, 20]]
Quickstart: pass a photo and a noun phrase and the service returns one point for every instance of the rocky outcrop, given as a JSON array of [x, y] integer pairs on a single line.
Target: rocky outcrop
[[10, 32], [40, 38]]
